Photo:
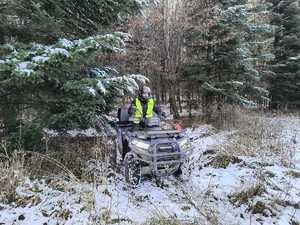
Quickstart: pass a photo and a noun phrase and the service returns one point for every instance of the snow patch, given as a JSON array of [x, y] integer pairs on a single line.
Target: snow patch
[[92, 91], [101, 87], [59, 51], [22, 67], [40, 59], [66, 43], [90, 132]]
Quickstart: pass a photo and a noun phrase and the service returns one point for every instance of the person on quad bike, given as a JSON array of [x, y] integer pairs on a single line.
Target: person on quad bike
[[143, 107]]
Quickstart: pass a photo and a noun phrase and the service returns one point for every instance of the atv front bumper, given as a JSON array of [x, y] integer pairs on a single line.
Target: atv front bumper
[[161, 159]]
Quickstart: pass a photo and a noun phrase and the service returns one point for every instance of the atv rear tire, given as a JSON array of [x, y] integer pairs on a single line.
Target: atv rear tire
[[132, 169]]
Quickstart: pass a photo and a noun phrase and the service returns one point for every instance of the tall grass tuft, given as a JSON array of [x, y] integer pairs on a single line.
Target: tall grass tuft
[[12, 175]]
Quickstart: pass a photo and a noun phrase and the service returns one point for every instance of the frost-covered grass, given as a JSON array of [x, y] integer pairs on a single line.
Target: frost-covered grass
[[250, 189], [12, 174], [269, 138]]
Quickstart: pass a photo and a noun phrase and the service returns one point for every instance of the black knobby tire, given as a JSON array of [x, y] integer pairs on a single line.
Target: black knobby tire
[[132, 169]]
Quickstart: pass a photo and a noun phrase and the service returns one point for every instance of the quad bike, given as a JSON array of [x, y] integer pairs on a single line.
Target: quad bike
[[150, 150]]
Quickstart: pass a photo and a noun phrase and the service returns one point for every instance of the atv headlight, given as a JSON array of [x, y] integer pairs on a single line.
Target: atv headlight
[[140, 144], [184, 144]]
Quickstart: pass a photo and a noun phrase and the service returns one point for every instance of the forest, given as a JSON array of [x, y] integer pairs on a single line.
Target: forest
[[227, 71]]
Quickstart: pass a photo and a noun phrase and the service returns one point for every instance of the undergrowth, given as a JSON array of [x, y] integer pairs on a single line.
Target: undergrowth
[[169, 221], [12, 175], [244, 196], [223, 160], [255, 134]]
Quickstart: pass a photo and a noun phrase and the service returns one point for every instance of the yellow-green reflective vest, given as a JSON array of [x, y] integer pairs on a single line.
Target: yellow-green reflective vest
[[139, 110]]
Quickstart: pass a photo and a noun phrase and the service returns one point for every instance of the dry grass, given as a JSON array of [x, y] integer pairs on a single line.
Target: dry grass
[[12, 175], [223, 160], [244, 196], [100, 167], [260, 208], [163, 221], [227, 117], [202, 205], [73, 159], [16, 167], [168, 221], [257, 135], [72, 152], [286, 203], [293, 173], [35, 165]]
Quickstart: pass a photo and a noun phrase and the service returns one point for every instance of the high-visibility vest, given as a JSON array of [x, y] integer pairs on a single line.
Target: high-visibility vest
[[139, 109]]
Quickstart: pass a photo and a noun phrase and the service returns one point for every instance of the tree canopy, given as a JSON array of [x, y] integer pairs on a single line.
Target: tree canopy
[[45, 21]]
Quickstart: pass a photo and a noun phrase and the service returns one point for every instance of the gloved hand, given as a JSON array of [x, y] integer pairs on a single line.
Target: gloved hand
[[163, 114]]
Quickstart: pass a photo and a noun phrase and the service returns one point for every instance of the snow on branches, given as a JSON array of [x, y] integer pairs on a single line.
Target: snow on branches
[[61, 81]]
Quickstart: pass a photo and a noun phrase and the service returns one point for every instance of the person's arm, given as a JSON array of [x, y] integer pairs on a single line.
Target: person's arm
[[131, 108]]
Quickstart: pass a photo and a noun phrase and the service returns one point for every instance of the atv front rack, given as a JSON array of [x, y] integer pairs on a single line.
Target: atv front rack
[[165, 158]]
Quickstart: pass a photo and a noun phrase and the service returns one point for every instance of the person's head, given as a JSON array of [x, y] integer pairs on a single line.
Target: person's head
[[145, 93]]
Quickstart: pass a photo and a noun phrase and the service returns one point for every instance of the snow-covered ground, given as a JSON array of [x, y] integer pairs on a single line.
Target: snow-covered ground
[[249, 190]]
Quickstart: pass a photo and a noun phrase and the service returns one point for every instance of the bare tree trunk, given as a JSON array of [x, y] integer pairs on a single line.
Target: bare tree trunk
[[189, 100], [179, 99], [208, 106], [172, 100], [173, 105]]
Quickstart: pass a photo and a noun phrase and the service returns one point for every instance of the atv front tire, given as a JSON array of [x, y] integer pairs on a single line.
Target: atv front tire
[[184, 171], [132, 169]]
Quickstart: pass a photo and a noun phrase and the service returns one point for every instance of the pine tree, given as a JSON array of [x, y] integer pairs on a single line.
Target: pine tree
[[221, 51], [285, 84], [58, 85], [45, 21], [57, 80]]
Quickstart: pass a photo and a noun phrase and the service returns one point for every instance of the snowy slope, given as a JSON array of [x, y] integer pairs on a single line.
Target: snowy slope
[[207, 198]]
